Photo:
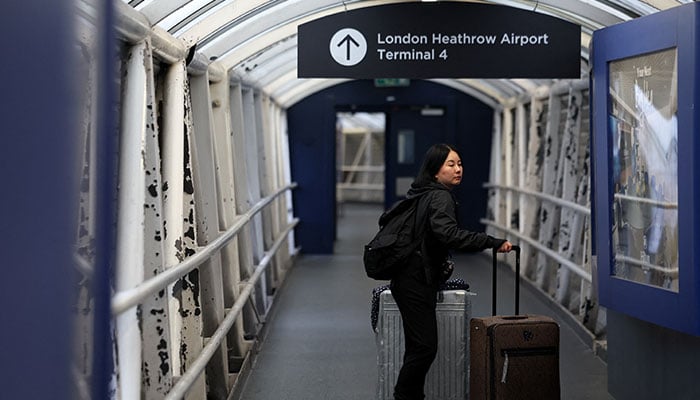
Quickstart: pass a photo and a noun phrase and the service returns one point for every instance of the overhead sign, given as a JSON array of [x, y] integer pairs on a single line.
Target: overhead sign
[[439, 40]]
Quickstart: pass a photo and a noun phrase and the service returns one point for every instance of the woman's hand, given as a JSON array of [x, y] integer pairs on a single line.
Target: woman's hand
[[505, 247]]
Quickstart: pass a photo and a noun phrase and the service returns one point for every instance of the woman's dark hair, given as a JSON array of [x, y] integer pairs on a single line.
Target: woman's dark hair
[[432, 162]]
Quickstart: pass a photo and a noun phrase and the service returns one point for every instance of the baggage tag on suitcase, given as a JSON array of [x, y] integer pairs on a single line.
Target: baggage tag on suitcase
[[513, 356]]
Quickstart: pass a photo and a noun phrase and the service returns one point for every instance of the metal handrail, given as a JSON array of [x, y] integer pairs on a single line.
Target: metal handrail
[[575, 268], [185, 381], [126, 299], [362, 168], [360, 186], [83, 265], [670, 272], [543, 196], [586, 211], [656, 203]]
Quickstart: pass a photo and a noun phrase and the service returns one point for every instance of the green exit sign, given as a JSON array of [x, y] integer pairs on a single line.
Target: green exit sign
[[391, 82]]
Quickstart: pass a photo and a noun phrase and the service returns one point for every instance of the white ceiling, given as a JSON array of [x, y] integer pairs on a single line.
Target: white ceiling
[[257, 40]]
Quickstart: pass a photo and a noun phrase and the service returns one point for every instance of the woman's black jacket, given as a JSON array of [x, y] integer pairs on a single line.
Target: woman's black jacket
[[438, 222]]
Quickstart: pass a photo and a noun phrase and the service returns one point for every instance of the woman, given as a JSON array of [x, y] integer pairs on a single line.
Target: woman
[[415, 288]]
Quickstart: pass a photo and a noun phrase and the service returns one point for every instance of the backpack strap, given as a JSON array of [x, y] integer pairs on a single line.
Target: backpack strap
[[397, 208], [415, 203], [419, 229], [421, 214]]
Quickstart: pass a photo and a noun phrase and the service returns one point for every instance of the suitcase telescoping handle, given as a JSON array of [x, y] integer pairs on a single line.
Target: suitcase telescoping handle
[[517, 280]]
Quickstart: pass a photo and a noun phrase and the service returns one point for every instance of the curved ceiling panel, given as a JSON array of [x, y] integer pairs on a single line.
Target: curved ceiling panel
[[256, 40]]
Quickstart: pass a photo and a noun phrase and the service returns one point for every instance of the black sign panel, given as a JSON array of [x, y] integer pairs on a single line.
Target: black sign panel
[[439, 40]]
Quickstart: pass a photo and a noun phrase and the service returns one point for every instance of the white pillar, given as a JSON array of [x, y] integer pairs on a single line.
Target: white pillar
[[130, 222]]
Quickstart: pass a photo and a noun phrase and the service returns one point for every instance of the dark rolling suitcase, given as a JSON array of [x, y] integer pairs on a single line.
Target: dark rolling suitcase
[[513, 357]]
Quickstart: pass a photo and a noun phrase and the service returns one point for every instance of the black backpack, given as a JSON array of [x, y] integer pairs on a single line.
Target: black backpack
[[385, 254]]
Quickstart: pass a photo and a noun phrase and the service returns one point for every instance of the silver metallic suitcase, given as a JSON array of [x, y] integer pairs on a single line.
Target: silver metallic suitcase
[[449, 375]]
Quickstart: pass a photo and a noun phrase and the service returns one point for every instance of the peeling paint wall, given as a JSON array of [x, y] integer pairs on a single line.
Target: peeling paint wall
[[552, 134]]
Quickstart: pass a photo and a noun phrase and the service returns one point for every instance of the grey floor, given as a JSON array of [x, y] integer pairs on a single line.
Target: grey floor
[[319, 343]]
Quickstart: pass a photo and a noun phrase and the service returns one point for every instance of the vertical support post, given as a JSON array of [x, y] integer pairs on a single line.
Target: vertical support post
[[253, 173], [282, 166], [212, 292], [495, 170], [507, 160], [521, 169], [273, 184], [88, 228], [131, 198], [571, 221], [156, 369], [243, 197], [548, 221], [185, 325], [223, 152], [533, 181], [173, 185], [287, 174], [267, 185]]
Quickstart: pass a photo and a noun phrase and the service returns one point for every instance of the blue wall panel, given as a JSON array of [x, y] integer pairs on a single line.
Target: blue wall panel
[[312, 153], [676, 28], [311, 124], [38, 204]]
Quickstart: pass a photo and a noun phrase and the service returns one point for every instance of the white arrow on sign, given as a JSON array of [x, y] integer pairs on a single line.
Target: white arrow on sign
[[348, 47]]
